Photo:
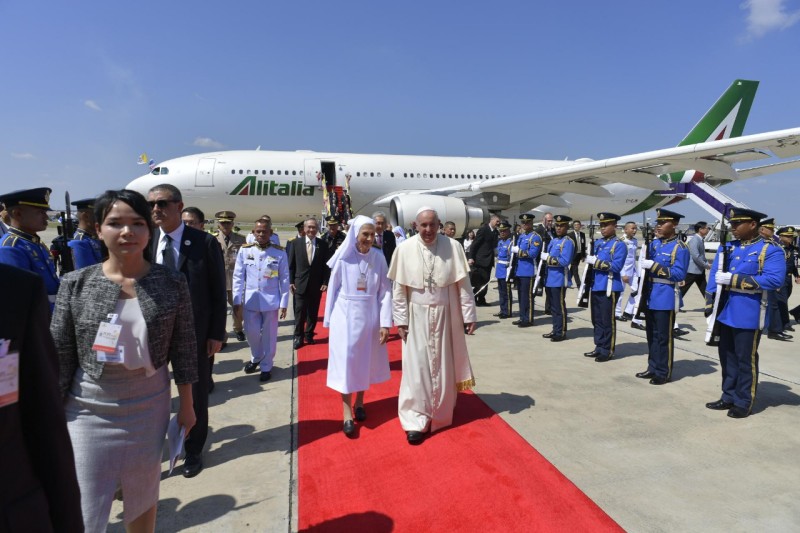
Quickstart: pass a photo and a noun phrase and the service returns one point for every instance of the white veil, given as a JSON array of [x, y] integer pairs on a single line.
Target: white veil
[[348, 246]]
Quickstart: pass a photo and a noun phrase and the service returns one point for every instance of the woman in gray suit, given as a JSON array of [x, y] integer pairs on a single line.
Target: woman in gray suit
[[116, 325]]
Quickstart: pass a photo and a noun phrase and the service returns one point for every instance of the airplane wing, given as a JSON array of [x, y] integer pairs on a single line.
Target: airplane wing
[[713, 158]]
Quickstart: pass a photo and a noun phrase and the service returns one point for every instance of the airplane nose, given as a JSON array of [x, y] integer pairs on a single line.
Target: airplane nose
[[142, 184]]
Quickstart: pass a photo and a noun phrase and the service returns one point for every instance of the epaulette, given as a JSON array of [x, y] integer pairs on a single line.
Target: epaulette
[[276, 246], [11, 240], [248, 245], [682, 244]]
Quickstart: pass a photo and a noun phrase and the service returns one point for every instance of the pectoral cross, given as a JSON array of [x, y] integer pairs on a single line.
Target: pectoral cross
[[430, 282]]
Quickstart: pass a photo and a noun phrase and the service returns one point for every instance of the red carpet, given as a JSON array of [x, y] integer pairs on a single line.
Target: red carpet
[[477, 475]]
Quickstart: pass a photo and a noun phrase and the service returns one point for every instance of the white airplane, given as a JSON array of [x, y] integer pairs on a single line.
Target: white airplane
[[287, 186]]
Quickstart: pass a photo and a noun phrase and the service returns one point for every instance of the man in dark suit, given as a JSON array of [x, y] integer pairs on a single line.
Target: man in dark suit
[[40, 491], [308, 278], [384, 239], [198, 255], [481, 258], [579, 238]]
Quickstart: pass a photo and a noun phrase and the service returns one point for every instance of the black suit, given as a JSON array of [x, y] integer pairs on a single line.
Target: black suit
[[202, 263], [307, 280], [482, 254], [580, 254], [40, 490], [389, 243]]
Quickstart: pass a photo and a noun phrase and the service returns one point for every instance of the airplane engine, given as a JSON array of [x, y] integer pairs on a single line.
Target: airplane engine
[[403, 211]]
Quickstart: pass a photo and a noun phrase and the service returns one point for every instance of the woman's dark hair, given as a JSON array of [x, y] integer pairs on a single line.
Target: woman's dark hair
[[138, 203], [471, 232]]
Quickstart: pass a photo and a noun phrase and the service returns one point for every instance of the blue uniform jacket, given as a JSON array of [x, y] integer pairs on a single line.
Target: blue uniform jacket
[[757, 266], [670, 262], [86, 250], [503, 258], [611, 254], [530, 246], [561, 250], [27, 252]]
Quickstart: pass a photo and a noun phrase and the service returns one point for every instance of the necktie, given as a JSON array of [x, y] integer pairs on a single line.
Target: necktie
[[309, 251], [227, 240], [379, 240], [168, 254]]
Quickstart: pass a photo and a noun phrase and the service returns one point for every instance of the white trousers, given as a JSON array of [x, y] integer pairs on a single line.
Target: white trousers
[[261, 328], [630, 306]]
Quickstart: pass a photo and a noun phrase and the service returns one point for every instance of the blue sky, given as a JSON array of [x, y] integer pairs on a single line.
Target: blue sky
[[89, 86]]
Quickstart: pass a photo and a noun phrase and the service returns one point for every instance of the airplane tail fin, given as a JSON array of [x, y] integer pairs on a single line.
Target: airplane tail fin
[[727, 116]]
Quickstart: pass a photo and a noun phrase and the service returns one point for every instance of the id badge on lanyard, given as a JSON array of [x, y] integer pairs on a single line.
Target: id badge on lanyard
[[106, 342], [9, 374], [361, 284]]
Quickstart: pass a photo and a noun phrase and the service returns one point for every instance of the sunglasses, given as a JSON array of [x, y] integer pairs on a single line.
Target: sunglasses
[[161, 203]]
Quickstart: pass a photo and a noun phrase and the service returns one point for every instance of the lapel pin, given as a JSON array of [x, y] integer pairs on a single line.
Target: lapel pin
[[187, 242]]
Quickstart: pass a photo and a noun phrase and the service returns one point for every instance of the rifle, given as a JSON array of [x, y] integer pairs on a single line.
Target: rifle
[[511, 258], [541, 271], [645, 284], [60, 250], [721, 296], [587, 278]]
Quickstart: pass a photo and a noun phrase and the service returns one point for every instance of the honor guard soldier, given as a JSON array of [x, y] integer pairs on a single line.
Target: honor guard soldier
[[4, 220], [85, 246], [755, 265], [505, 244], [781, 312], [21, 246], [666, 268], [529, 247], [558, 259], [334, 237], [608, 261], [230, 242], [261, 289], [767, 230]]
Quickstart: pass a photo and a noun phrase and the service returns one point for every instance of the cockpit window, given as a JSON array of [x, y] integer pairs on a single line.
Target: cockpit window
[[164, 171], [156, 171]]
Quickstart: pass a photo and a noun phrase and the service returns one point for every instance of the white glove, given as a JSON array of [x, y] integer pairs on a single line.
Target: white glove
[[591, 259], [647, 264], [515, 249], [723, 278], [545, 256]]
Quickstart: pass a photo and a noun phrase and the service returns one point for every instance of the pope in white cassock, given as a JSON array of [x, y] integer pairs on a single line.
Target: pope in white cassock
[[358, 311], [432, 303]]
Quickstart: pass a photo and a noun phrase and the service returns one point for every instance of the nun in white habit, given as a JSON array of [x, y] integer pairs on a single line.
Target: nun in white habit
[[358, 311]]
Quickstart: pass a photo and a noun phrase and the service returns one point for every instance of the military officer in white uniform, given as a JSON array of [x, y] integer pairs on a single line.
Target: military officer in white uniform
[[261, 289]]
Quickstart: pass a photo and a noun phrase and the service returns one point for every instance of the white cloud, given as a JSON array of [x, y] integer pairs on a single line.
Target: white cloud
[[768, 15], [22, 155], [207, 142], [91, 104]]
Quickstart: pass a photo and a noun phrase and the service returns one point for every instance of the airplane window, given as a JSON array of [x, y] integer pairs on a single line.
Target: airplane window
[[419, 175], [241, 171], [248, 171], [271, 172], [425, 175], [263, 172], [286, 172], [164, 171], [391, 175], [379, 174], [294, 173], [371, 174], [233, 172]]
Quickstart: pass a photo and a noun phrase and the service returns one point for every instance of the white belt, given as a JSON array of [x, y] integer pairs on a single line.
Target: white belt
[[51, 298], [499, 262], [745, 291], [662, 280]]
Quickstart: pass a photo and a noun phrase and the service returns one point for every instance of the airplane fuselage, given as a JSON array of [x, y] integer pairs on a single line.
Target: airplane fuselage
[[285, 185]]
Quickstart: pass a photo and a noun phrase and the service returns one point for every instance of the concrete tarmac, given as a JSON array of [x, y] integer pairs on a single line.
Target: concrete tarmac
[[652, 457]]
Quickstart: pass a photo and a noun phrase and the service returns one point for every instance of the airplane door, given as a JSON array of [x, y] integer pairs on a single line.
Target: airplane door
[[205, 172], [312, 168]]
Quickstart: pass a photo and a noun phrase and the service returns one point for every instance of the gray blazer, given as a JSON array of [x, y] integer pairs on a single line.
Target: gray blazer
[[85, 299], [697, 251]]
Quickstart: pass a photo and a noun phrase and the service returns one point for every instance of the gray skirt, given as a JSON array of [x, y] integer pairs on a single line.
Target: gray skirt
[[117, 425]]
